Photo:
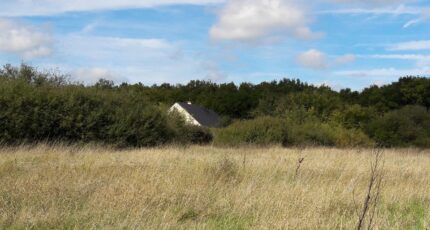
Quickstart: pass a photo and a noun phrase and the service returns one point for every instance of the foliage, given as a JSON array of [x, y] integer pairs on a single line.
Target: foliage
[[275, 131], [33, 112], [354, 116], [324, 134], [403, 127], [185, 133], [260, 131], [46, 106]]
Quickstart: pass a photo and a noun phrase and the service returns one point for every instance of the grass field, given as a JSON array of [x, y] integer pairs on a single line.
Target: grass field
[[208, 188]]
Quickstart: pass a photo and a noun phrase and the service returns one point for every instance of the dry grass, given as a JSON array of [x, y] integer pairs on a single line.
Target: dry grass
[[208, 188]]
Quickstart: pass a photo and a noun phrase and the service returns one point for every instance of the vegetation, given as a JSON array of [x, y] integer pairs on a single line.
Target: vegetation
[[57, 187], [39, 107], [43, 106]]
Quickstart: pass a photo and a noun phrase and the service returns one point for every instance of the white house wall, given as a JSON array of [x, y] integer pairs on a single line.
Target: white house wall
[[188, 118]]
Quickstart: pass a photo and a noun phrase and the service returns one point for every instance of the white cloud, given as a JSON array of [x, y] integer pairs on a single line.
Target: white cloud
[[411, 45], [51, 7], [91, 75], [317, 60], [261, 20], [24, 40], [313, 59], [345, 59]]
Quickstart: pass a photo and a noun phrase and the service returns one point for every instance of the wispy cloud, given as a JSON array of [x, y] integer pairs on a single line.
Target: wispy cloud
[[421, 14], [400, 56], [424, 16], [390, 10], [421, 60], [410, 45], [119, 59], [49, 7], [392, 73]]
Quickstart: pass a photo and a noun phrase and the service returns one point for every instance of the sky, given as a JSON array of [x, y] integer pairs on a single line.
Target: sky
[[339, 43]]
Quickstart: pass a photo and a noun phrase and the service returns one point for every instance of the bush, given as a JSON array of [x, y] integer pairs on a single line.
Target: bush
[[188, 134], [198, 135], [260, 131], [352, 138], [274, 131], [404, 127], [354, 116], [34, 109], [310, 134], [324, 134], [141, 127]]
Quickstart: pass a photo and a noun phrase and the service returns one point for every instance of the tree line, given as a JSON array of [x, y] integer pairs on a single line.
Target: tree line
[[46, 106]]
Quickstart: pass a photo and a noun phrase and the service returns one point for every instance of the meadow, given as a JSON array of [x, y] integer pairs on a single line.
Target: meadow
[[70, 187]]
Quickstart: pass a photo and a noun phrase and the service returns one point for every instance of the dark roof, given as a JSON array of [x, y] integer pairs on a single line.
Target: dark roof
[[205, 117]]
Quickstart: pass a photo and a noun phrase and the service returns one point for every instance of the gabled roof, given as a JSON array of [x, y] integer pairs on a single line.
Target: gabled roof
[[204, 116]]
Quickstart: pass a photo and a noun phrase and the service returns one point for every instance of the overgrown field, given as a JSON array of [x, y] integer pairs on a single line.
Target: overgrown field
[[209, 188]]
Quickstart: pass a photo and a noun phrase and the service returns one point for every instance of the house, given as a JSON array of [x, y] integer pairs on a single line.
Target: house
[[196, 115]]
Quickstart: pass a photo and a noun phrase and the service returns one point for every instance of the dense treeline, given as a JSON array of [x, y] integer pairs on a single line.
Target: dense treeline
[[42, 106]]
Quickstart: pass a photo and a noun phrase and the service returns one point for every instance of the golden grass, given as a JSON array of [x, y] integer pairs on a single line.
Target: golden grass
[[207, 188]]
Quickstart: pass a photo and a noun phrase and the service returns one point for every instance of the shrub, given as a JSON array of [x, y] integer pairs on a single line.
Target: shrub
[[407, 126], [310, 134], [187, 134], [259, 131], [354, 116], [141, 127], [198, 135], [274, 131], [351, 138], [37, 107], [317, 133]]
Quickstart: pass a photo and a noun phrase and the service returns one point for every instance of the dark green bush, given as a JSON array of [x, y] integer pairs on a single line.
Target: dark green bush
[[139, 127], [354, 116], [198, 135], [34, 109], [183, 133], [407, 126]]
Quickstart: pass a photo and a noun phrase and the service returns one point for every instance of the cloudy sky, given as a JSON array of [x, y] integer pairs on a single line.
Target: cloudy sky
[[341, 43]]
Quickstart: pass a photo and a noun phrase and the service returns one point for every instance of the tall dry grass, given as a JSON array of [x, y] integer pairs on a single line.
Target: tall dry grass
[[208, 188]]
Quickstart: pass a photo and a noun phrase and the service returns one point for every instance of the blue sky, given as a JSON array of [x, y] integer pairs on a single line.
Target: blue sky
[[340, 43]]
